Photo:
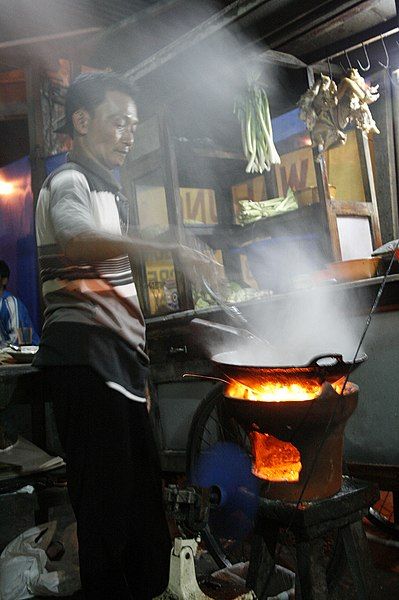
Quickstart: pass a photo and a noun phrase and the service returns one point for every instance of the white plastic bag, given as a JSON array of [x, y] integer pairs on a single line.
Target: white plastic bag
[[23, 564], [25, 570]]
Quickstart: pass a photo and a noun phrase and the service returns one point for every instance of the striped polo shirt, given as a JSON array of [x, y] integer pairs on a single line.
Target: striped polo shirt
[[92, 314]]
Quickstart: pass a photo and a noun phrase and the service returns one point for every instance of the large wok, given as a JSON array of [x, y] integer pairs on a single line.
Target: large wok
[[322, 368], [234, 366]]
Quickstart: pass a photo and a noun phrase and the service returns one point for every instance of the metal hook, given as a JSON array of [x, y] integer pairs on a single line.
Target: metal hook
[[367, 67], [347, 58], [342, 67], [386, 55]]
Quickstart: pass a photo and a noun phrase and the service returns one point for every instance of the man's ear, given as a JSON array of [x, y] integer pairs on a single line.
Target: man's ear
[[80, 120]]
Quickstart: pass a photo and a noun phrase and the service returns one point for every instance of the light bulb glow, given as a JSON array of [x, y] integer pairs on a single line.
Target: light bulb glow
[[6, 188]]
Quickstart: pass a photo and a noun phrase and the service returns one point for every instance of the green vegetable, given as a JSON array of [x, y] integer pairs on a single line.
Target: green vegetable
[[253, 211], [252, 109]]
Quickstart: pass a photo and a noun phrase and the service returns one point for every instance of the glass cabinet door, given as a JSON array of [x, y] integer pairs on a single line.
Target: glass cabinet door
[[150, 179], [153, 224]]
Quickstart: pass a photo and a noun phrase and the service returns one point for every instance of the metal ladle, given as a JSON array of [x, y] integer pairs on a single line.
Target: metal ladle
[[235, 314]]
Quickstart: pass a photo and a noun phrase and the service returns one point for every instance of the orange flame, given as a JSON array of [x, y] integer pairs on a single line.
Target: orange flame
[[274, 459], [277, 392]]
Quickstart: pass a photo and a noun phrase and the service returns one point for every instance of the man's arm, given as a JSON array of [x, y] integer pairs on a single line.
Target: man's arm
[[92, 246], [75, 229]]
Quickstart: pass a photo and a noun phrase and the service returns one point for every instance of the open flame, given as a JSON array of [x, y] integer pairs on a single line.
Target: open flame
[[276, 391], [274, 459]]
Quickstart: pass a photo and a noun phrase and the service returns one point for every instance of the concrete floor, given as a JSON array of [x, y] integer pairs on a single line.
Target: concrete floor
[[385, 558], [385, 577]]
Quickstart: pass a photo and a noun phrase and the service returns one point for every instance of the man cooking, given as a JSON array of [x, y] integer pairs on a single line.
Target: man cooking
[[92, 350]]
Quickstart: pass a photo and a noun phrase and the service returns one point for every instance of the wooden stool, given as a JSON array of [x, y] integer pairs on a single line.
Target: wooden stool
[[309, 524]]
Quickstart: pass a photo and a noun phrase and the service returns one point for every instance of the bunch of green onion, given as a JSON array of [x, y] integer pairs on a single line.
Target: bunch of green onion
[[254, 211], [252, 109]]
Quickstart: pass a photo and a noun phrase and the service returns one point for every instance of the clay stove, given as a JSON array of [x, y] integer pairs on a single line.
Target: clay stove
[[289, 426]]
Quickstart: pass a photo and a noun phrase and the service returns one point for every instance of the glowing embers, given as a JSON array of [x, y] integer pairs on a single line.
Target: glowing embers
[[274, 459], [277, 392]]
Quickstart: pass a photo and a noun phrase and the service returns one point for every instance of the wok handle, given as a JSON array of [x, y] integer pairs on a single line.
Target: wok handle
[[199, 376], [315, 361]]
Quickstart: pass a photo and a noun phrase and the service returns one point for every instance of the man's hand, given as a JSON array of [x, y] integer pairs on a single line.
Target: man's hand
[[196, 257], [192, 258], [198, 265]]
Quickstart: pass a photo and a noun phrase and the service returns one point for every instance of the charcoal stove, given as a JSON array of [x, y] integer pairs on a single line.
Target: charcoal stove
[[295, 417], [296, 428], [297, 445]]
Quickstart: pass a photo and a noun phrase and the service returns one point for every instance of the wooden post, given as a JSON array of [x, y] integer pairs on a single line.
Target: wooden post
[[366, 168], [322, 189], [174, 208], [392, 118], [138, 267], [34, 75], [368, 184]]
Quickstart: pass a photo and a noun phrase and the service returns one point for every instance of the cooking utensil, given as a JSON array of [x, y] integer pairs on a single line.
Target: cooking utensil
[[217, 332], [234, 313], [326, 367]]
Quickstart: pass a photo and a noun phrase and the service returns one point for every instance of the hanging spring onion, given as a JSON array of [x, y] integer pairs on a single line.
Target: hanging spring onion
[[252, 109]]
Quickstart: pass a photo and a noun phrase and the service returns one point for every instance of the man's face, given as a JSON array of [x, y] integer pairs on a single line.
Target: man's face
[[110, 130]]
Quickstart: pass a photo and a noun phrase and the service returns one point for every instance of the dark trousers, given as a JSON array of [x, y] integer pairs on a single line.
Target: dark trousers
[[114, 485]]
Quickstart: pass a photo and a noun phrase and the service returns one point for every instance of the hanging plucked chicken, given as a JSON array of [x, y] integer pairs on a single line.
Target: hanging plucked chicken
[[328, 108]]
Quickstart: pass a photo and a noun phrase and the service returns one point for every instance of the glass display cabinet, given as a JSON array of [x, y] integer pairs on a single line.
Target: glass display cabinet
[[185, 189]]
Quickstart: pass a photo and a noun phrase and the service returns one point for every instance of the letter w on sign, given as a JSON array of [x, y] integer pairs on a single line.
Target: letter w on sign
[[294, 181]]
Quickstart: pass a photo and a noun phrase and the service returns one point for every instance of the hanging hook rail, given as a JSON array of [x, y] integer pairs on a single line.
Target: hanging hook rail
[[365, 43], [367, 67], [385, 66]]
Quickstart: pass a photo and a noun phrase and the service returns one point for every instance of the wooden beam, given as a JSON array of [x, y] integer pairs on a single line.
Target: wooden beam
[[46, 38], [150, 12], [221, 19], [322, 18], [351, 41]]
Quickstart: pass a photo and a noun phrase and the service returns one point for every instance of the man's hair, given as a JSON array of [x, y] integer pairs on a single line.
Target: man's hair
[[4, 269], [88, 91]]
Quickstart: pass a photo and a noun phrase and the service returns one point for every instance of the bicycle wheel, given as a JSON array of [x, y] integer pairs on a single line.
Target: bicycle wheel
[[383, 514], [211, 424]]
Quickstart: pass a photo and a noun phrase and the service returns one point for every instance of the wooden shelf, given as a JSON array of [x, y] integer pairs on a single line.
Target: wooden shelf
[[304, 219], [185, 149], [221, 154]]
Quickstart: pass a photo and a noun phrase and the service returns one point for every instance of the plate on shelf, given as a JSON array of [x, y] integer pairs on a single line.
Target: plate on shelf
[[24, 355]]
